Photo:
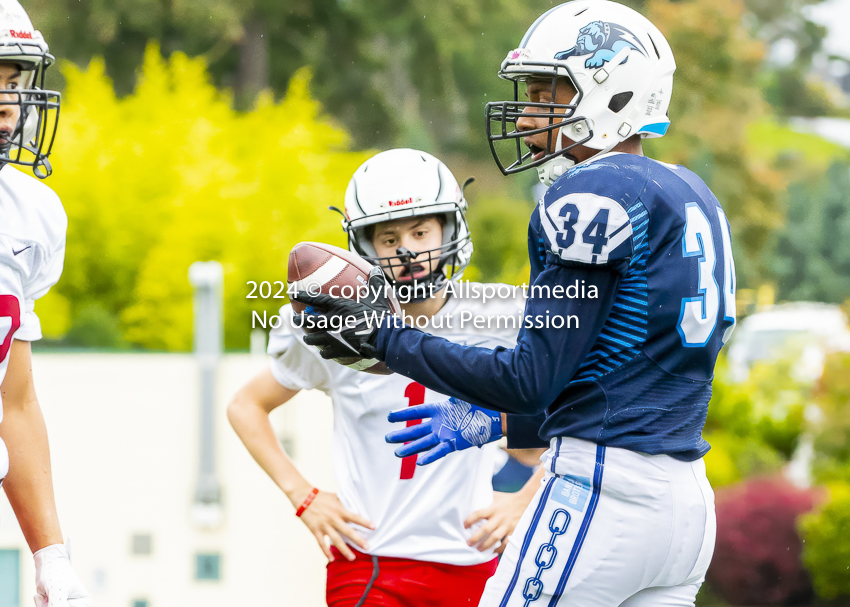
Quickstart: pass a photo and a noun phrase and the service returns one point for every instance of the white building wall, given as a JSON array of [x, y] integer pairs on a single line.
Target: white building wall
[[124, 446]]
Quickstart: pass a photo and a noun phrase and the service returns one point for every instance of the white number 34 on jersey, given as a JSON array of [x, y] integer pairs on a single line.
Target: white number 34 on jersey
[[585, 227]]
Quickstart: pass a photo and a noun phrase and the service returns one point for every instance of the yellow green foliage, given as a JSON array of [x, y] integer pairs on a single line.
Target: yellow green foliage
[[752, 426], [832, 429], [826, 551], [171, 175], [498, 226], [734, 458], [720, 466], [54, 311]]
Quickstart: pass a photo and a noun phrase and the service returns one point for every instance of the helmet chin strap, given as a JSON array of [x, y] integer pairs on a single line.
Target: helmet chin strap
[[550, 171]]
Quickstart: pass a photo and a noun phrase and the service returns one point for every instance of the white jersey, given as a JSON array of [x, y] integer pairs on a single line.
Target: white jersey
[[32, 251], [418, 510]]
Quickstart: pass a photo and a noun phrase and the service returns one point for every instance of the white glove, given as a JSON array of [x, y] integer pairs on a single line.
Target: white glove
[[56, 584]]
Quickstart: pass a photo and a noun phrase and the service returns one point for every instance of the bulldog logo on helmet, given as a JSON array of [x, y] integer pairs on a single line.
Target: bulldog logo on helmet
[[602, 41]]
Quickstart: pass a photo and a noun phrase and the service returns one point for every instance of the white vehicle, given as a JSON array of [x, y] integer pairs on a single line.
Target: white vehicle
[[803, 333]]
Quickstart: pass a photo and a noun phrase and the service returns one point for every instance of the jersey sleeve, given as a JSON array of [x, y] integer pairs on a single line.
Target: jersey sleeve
[[523, 380], [46, 273], [293, 364], [524, 431], [585, 218]]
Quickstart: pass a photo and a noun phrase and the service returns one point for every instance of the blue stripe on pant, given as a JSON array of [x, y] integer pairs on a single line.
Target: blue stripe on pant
[[585, 524], [546, 555], [527, 540], [547, 552]]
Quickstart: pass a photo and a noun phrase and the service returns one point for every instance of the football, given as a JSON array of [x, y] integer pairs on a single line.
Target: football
[[317, 267]]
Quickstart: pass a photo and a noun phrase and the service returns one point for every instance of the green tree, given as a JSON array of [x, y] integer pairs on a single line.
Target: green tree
[[121, 30], [411, 71], [810, 255], [790, 88], [715, 97]]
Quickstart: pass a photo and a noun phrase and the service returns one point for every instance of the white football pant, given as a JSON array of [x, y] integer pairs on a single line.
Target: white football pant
[[609, 528]]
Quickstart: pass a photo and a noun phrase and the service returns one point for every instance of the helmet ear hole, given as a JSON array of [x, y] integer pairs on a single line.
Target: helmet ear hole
[[619, 101]]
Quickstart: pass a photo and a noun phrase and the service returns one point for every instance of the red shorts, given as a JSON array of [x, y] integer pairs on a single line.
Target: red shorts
[[404, 582]]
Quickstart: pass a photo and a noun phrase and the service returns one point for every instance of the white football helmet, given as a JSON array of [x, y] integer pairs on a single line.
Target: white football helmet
[[404, 183], [24, 47], [619, 63]]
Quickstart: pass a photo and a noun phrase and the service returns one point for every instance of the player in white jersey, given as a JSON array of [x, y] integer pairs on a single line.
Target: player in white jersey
[[410, 535], [32, 250]]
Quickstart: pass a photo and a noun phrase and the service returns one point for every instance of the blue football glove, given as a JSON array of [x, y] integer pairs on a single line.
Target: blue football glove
[[453, 425]]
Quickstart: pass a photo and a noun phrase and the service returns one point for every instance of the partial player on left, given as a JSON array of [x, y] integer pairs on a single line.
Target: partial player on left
[[32, 252]]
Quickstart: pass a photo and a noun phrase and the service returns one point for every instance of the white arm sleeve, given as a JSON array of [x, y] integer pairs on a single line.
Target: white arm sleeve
[[45, 275], [294, 364]]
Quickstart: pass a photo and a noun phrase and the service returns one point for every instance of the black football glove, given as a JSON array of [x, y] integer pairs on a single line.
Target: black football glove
[[358, 321]]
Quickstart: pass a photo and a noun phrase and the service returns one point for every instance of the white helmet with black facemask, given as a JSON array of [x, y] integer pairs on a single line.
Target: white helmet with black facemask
[[621, 67], [404, 183], [30, 141]]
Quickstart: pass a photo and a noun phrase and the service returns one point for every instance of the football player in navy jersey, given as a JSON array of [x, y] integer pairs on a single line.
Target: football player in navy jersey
[[625, 515]]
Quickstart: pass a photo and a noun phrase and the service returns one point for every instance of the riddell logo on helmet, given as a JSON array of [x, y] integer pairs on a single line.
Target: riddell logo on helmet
[[398, 203], [23, 35]]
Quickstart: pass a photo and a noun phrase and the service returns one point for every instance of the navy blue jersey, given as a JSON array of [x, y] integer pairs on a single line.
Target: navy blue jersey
[[636, 373], [646, 383]]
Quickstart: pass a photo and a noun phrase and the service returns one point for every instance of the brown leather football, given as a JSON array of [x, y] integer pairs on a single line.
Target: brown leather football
[[324, 268]]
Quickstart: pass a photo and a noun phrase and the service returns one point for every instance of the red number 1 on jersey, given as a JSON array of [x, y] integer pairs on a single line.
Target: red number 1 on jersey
[[415, 394], [9, 308]]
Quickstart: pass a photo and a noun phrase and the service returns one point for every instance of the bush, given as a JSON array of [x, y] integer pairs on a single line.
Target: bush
[[767, 406], [170, 175], [757, 558], [832, 393], [498, 228], [827, 544], [95, 327], [734, 458], [753, 426]]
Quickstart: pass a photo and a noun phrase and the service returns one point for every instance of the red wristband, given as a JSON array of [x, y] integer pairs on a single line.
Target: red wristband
[[307, 501]]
